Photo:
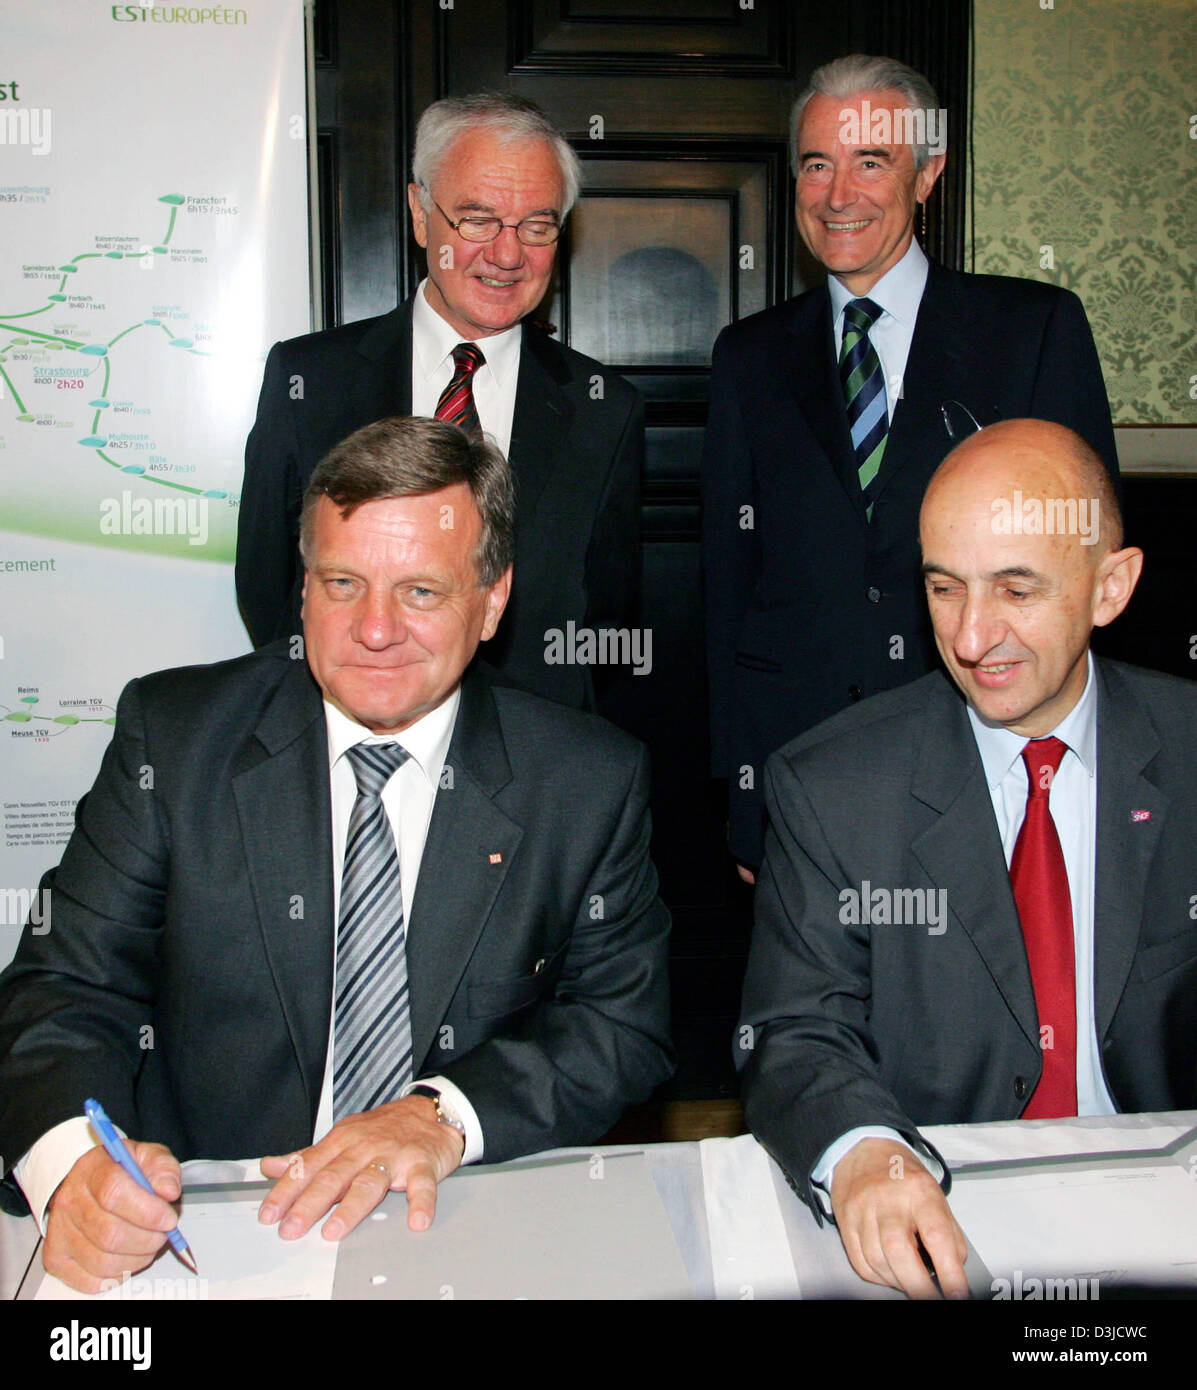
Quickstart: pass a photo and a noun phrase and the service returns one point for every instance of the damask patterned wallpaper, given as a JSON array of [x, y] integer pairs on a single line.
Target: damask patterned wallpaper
[[1086, 175]]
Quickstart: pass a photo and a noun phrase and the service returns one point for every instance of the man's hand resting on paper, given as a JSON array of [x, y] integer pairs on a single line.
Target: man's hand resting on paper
[[885, 1201], [395, 1147], [101, 1225]]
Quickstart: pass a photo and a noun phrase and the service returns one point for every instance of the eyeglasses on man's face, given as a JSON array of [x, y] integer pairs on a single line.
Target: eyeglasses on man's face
[[532, 231]]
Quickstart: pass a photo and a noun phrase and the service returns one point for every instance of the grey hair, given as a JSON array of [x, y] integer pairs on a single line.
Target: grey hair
[[509, 117], [859, 72], [408, 456]]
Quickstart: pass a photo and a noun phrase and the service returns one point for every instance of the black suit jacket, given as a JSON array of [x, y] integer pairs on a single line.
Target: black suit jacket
[[576, 462], [195, 900], [903, 1025], [810, 606]]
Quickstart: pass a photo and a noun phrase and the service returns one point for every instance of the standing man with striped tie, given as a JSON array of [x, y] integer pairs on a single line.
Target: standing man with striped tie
[[492, 183], [374, 914], [827, 418]]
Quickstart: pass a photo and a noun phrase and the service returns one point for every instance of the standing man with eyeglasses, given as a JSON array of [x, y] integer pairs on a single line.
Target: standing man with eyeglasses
[[492, 183], [828, 417]]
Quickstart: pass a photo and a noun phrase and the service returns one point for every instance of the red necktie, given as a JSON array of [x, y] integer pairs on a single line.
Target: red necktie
[[1040, 883], [456, 404]]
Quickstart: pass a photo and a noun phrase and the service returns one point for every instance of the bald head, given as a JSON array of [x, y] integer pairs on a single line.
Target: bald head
[[1022, 558], [1058, 477]]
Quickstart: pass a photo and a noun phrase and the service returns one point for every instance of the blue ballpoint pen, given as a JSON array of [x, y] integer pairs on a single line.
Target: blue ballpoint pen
[[115, 1147]]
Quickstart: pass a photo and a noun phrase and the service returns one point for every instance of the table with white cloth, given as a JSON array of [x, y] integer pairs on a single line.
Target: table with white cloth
[[1110, 1199]]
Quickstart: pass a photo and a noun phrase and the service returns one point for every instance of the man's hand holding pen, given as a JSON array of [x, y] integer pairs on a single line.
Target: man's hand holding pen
[[101, 1225]]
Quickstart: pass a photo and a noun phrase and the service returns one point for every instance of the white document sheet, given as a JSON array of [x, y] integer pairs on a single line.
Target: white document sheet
[[1123, 1225], [1024, 1139], [750, 1251], [237, 1258], [586, 1227]]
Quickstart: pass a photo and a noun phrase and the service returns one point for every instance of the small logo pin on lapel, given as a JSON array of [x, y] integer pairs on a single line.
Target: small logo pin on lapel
[[498, 858], [1140, 815]]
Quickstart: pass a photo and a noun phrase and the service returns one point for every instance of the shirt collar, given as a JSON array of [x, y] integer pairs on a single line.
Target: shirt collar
[[898, 292], [1000, 749], [427, 740], [433, 341]]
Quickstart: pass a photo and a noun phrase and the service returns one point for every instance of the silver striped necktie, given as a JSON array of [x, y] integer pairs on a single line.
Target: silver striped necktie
[[372, 1032]]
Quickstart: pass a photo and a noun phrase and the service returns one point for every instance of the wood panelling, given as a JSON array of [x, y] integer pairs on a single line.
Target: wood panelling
[[702, 37]]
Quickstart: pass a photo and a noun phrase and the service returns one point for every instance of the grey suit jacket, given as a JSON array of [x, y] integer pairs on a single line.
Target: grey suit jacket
[[577, 450], [904, 1025], [186, 981]]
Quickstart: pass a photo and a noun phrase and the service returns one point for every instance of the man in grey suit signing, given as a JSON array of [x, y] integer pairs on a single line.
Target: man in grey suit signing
[[980, 908], [368, 912]]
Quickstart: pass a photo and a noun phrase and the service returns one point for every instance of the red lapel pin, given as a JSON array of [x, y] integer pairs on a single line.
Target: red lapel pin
[[495, 858], [1140, 815]]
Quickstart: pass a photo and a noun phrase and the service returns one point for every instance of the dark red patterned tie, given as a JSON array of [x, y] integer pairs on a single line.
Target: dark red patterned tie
[[1040, 882], [456, 404]]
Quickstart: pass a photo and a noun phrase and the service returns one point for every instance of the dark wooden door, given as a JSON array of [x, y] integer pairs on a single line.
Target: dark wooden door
[[678, 110]]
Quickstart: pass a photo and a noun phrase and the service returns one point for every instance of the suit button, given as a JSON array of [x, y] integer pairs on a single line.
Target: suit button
[[874, 594], [538, 967], [1020, 1087], [854, 692]]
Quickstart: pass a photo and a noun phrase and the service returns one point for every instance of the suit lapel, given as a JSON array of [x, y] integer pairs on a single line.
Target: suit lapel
[[381, 384], [937, 370], [467, 856], [1126, 745], [815, 382], [541, 422], [962, 851], [289, 856], [283, 805]]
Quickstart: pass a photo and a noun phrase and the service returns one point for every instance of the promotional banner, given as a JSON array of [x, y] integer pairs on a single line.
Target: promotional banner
[[153, 244]]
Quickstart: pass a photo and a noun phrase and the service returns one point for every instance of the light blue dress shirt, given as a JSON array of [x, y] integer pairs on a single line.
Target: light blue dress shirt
[[899, 293]]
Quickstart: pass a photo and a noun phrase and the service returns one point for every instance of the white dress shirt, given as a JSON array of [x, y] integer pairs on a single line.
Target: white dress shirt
[[899, 293], [408, 799], [432, 344], [1072, 800]]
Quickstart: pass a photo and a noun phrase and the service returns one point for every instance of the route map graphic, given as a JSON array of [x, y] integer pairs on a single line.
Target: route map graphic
[[85, 389], [26, 716], [102, 352]]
